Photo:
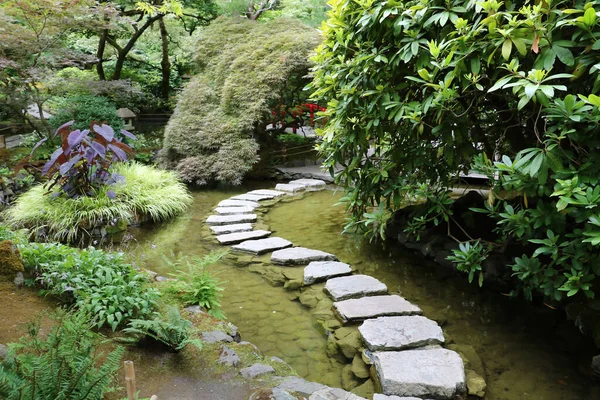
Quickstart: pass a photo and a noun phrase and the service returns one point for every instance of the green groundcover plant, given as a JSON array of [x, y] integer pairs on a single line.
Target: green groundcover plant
[[97, 282], [418, 91], [66, 363]]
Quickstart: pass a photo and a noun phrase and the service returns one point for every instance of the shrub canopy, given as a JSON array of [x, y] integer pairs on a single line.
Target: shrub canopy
[[441, 86], [244, 67]]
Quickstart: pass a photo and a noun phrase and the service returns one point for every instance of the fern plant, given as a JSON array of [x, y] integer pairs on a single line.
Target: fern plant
[[174, 331], [66, 364]]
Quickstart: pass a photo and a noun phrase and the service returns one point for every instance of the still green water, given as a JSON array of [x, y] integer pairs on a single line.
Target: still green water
[[527, 353]]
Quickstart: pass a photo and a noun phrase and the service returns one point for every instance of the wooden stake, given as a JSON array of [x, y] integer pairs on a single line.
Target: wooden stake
[[130, 380]]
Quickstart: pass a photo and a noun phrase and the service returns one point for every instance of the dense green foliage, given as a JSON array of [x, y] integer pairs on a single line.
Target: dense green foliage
[[66, 363], [439, 87], [144, 192], [243, 70], [195, 284], [84, 110], [100, 283]]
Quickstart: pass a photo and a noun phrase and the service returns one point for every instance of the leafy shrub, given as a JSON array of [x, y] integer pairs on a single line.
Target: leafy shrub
[[86, 109], [80, 166], [144, 192], [64, 364], [195, 284], [418, 93], [243, 70], [100, 283], [171, 329], [290, 140]]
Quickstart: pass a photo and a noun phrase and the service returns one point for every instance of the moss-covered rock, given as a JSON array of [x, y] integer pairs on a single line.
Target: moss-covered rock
[[10, 258], [243, 69]]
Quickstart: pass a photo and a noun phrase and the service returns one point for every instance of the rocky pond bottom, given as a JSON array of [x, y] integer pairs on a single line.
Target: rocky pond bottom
[[507, 342]]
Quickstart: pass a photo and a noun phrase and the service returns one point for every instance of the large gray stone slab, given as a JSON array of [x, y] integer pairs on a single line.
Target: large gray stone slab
[[374, 306], [286, 187], [301, 386], [310, 184], [238, 203], [322, 270], [348, 287], [261, 246], [224, 229], [334, 394], [379, 396], [400, 333], [230, 219], [256, 370], [267, 192], [300, 255], [238, 237], [437, 373], [253, 197], [216, 336], [234, 210]]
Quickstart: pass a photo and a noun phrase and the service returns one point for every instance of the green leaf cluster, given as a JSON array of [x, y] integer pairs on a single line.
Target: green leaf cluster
[[420, 91]]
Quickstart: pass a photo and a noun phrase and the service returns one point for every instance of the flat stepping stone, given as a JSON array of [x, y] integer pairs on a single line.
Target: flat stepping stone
[[261, 246], [224, 229], [400, 333], [267, 192], [334, 394], [379, 396], [323, 270], [374, 306], [436, 373], [300, 255], [311, 184], [289, 188], [238, 203], [234, 210], [252, 197], [230, 219], [348, 287], [238, 237]]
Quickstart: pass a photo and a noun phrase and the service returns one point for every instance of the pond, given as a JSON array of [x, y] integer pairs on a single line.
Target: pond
[[528, 352]]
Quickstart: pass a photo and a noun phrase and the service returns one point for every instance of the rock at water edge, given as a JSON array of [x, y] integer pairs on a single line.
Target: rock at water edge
[[234, 210], [322, 270], [225, 229], [286, 187], [216, 336], [238, 203], [348, 287], [334, 394], [300, 385], [256, 370], [252, 197], [300, 255], [374, 306], [261, 246], [400, 333], [230, 219], [238, 237], [437, 373], [310, 184], [267, 192]]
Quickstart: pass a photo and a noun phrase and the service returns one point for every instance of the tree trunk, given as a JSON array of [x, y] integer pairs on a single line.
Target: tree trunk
[[100, 55], [165, 63]]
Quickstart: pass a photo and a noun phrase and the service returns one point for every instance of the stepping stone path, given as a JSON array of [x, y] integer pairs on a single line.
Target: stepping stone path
[[223, 229], [230, 219], [234, 210], [262, 246], [238, 237], [400, 333], [374, 306], [349, 287], [322, 270], [299, 256], [404, 346]]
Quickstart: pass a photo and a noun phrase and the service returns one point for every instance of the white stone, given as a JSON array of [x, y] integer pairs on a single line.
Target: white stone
[[253, 197], [374, 306], [300, 255], [223, 229], [286, 187], [234, 210], [238, 237], [348, 287], [321, 270], [310, 184], [230, 219], [261, 246], [400, 333], [437, 373], [267, 192], [238, 203]]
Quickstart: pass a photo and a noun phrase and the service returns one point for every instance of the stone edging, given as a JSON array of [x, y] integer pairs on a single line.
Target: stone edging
[[403, 347]]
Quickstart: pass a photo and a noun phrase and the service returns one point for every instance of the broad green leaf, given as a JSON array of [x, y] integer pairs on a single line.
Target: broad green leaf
[[506, 49], [564, 55]]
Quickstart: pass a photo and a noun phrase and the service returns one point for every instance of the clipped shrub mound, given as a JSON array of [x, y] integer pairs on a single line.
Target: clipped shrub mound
[[244, 68], [144, 193]]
